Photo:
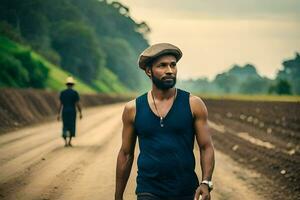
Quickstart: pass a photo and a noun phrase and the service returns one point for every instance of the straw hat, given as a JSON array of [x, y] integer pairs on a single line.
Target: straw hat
[[70, 80], [157, 50]]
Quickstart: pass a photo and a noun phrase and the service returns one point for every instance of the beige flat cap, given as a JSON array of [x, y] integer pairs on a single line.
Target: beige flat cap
[[70, 80], [157, 50]]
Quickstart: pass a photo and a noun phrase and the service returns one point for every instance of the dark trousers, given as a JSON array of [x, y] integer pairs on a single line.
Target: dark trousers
[[149, 196]]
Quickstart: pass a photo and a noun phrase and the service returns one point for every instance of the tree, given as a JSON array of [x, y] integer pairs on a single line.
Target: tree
[[291, 73], [120, 59], [227, 82], [255, 85], [281, 87], [12, 73], [79, 49], [37, 72], [72, 33]]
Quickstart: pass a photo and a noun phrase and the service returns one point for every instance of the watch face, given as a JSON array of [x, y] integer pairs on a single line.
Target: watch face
[[210, 185]]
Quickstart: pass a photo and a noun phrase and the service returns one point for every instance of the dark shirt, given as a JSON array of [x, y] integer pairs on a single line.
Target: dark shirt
[[166, 163], [68, 98]]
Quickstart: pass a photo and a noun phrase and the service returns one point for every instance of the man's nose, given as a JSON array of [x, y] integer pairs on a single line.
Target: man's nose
[[169, 70]]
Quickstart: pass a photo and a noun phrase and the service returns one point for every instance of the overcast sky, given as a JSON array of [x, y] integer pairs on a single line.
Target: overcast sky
[[215, 34]]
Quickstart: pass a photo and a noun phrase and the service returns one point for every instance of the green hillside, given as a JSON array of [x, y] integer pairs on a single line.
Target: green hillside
[[96, 41], [14, 73]]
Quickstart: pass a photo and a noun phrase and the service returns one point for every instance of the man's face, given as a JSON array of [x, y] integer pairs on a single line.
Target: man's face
[[69, 85], [163, 72]]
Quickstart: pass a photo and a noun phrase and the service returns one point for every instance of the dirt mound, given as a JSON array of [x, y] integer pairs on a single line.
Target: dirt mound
[[19, 107], [263, 136]]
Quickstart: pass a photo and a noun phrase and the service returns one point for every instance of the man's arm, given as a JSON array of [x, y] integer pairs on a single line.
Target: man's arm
[[79, 109], [126, 153], [205, 144], [77, 99], [59, 110]]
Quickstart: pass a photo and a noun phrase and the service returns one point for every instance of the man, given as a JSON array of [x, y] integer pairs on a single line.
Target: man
[[69, 100], [166, 121]]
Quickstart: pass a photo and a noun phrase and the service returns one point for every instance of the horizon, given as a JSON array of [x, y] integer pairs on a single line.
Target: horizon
[[261, 33]]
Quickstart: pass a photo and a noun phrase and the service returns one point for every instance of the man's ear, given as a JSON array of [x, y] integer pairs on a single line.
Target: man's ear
[[148, 71]]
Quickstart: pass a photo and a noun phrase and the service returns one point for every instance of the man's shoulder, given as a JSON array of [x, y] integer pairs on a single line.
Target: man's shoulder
[[129, 111], [198, 106], [195, 99], [71, 90], [130, 105], [63, 91]]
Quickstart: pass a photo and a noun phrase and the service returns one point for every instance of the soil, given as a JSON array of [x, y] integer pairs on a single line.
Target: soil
[[261, 136], [35, 165], [257, 149]]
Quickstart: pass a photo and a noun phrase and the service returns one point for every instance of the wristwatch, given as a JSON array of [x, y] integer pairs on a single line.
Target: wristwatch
[[209, 184]]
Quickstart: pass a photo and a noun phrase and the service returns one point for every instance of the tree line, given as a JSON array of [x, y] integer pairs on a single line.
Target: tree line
[[84, 37], [246, 80], [92, 39]]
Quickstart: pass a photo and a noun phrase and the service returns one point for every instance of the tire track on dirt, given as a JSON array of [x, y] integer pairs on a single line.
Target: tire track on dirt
[[25, 132], [18, 149], [28, 131], [82, 173]]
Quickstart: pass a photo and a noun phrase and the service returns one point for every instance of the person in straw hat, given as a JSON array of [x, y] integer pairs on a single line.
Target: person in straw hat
[[69, 100], [166, 120]]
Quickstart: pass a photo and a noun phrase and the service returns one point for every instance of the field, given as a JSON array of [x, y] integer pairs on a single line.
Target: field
[[263, 136], [257, 148]]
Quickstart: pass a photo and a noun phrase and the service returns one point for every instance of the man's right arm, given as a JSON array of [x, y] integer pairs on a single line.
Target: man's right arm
[[126, 153], [59, 107]]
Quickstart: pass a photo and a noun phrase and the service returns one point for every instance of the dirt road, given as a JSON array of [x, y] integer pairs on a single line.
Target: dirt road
[[34, 165]]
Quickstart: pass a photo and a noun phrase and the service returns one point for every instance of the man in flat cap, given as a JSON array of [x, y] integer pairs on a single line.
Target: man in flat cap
[[166, 121], [69, 100]]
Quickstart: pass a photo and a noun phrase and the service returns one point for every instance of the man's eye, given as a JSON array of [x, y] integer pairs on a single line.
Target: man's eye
[[173, 64]]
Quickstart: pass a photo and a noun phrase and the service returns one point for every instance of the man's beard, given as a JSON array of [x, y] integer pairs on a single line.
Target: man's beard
[[166, 83]]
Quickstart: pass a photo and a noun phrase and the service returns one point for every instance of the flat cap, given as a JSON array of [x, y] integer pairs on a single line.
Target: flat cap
[[157, 50]]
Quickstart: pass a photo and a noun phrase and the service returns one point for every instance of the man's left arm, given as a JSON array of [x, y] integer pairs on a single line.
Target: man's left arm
[[59, 107], [78, 105], [205, 144]]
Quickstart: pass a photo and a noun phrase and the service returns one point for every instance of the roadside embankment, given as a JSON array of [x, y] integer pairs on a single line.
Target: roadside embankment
[[19, 107]]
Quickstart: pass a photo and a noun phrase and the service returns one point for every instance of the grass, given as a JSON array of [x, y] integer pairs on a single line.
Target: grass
[[108, 82], [57, 77]]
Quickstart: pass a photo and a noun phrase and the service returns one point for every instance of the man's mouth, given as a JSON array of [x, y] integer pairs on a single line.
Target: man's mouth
[[169, 78]]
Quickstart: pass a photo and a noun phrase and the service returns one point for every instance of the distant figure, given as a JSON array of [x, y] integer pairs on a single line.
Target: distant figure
[[69, 100], [166, 121]]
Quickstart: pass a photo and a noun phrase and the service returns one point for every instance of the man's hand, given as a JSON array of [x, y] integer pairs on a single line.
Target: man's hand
[[58, 117], [203, 191]]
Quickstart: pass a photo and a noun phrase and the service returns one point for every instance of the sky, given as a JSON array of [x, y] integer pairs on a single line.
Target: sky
[[216, 34]]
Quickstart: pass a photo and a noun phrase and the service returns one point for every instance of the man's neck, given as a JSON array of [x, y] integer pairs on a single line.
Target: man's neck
[[163, 94]]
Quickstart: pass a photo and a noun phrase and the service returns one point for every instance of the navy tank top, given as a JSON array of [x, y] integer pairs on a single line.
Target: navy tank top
[[166, 163]]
